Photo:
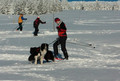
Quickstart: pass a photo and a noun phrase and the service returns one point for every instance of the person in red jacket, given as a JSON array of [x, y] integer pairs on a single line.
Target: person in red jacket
[[36, 24], [62, 37]]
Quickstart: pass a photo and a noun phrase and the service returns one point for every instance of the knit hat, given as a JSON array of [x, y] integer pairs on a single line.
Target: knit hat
[[21, 14], [57, 19], [38, 17]]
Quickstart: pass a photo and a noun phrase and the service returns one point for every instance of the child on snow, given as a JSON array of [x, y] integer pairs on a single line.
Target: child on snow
[[20, 21]]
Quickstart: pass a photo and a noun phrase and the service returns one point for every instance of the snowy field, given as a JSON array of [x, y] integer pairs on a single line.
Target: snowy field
[[99, 28]]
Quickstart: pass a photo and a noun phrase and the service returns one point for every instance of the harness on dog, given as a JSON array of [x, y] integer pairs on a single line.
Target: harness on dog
[[35, 50]]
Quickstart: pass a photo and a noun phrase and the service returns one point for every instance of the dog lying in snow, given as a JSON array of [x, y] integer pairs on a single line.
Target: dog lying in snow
[[49, 56], [39, 53]]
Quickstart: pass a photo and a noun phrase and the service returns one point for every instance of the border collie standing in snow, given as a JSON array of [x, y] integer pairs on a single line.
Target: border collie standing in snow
[[39, 53]]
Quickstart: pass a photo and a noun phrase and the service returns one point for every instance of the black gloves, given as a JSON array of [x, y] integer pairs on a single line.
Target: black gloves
[[58, 28]]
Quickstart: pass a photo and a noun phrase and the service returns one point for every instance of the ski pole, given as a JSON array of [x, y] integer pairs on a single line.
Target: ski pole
[[86, 45], [15, 28]]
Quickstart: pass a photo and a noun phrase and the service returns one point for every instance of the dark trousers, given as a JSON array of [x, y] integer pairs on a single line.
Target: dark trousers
[[20, 27], [62, 42], [36, 31]]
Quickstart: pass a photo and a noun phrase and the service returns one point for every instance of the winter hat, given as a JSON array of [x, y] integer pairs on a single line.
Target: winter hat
[[21, 14], [38, 17], [57, 19]]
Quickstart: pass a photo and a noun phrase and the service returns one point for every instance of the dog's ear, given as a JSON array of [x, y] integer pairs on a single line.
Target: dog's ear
[[42, 47], [47, 46]]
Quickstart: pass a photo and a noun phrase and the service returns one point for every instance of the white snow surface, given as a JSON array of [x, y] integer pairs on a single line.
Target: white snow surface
[[99, 28]]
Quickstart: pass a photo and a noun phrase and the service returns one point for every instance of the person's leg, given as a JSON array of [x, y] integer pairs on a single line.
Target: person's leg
[[63, 47], [55, 48], [36, 31], [20, 24], [18, 28]]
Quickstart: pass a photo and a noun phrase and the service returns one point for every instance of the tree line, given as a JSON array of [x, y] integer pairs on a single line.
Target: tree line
[[38, 7]]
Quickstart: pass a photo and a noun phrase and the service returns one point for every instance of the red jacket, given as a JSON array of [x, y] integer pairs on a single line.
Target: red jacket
[[62, 30]]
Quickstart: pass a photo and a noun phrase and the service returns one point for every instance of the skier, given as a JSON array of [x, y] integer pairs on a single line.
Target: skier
[[20, 21], [61, 39], [36, 24]]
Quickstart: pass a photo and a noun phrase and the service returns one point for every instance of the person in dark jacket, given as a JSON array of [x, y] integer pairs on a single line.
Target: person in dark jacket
[[20, 21], [36, 24], [62, 37]]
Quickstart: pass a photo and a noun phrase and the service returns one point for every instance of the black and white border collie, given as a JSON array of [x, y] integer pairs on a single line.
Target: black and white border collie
[[39, 53]]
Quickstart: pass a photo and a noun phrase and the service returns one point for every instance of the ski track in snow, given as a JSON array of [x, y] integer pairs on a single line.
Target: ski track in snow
[[94, 21], [92, 58], [16, 34]]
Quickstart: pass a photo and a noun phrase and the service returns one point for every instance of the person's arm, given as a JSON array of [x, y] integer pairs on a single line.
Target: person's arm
[[42, 22], [23, 18]]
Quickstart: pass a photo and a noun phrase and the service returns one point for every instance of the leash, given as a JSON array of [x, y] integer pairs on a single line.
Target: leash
[[52, 42]]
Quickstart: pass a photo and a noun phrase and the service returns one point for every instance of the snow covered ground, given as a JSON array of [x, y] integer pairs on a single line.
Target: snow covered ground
[[100, 28]]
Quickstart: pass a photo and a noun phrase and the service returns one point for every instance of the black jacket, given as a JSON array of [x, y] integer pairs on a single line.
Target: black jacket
[[62, 30], [37, 22]]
